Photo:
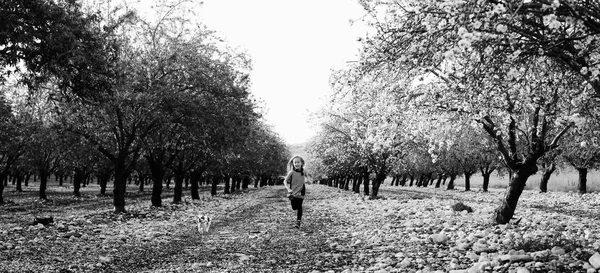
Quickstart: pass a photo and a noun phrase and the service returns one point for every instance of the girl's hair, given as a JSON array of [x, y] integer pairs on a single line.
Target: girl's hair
[[290, 165]]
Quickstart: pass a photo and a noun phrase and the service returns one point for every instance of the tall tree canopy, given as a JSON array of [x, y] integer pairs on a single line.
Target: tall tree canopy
[[42, 40]]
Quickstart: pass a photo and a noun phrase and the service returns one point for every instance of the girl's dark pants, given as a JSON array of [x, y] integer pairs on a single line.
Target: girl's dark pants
[[297, 206]]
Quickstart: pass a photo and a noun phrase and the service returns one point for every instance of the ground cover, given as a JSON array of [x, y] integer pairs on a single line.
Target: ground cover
[[407, 230]]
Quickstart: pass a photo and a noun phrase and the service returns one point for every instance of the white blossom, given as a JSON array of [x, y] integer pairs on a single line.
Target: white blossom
[[551, 21], [501, 28]]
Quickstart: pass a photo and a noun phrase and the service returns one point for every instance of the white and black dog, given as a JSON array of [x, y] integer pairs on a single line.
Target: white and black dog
[[204, 222]]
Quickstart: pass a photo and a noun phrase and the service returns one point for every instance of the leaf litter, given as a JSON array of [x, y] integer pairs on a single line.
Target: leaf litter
[[407, 230]]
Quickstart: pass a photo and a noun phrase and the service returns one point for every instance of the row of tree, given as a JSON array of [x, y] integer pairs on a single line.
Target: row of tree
[[106, 91], [444, 88]]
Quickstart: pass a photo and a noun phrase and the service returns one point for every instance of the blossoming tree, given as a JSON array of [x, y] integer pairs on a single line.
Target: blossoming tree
[[519, 70]]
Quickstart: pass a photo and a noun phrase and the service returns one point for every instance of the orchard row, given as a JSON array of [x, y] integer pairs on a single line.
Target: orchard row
[[451, 88], [119, 93]]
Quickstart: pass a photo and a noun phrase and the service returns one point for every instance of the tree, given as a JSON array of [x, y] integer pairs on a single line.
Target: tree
[[40, 138], [149, 81], [424, 34], [115, 127], [335, 157], [521, 100], [582, 149], [449, 167], [12, 143], [468, 146], [42, 153], [262, 153], [364, 113], [548, 166], [79, 158], [45, 41], [201, 89]]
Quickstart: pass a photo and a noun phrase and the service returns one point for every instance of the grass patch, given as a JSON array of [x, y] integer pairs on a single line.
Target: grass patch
[[565, 181]]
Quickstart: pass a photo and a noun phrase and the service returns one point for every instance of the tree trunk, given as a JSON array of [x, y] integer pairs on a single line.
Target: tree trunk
[[468, 180], [142, 181], [245, 182], [347, 184], [168, 182], [43, 183], [546, 173], [486, 180], [379, 178], [366, 185], [2, 179], [20, 179], [451, 182], [27, 177], [120, 185], [263, 180], [375, 190], [157, 171], [582, 180], [77, 178], [122, 171], [365, 181], [226, 190], [238, 183], [178, 191], [438, 183], [213, 190], [235, 183], [505, 212], [195, 177], [103, 180], [423, 181]]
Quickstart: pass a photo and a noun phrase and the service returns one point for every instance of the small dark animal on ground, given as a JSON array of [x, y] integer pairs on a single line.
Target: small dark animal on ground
[[460, 207], [44, 220]]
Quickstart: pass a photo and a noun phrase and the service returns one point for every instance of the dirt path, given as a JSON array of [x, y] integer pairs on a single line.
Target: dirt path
[[251, 232], [258, 236]]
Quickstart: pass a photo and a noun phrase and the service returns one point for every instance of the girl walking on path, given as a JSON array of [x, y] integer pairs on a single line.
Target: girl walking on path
[[295, 184]]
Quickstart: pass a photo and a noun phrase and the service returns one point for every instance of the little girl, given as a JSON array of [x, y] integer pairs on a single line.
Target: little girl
[[296, 179]]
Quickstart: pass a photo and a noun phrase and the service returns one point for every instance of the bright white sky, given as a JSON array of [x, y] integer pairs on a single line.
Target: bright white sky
[[294, 45]]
